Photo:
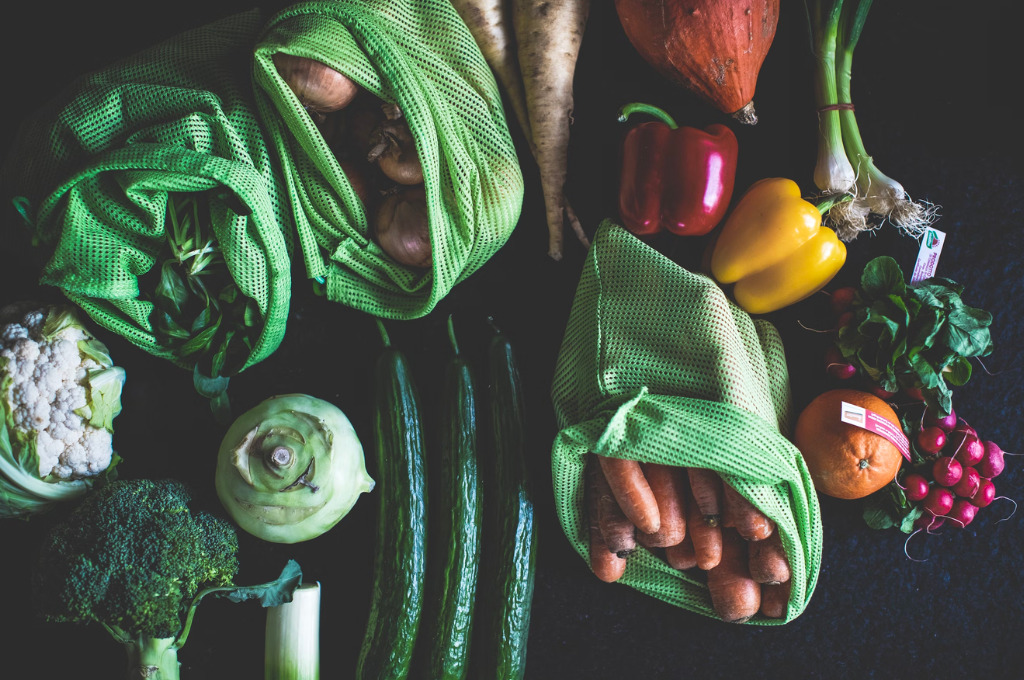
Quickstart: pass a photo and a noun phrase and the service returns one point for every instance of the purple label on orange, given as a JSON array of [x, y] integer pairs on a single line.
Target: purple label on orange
[[872, 422]]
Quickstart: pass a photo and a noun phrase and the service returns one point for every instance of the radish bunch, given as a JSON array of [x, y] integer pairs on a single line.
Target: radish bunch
[[955, 479]]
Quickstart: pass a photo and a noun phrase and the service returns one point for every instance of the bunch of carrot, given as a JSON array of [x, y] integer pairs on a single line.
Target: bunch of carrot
[[532, 47], [696, 521]]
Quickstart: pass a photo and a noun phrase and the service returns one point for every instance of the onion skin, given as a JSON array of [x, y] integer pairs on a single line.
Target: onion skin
[[319, 88], [395, 153], [402, 227]]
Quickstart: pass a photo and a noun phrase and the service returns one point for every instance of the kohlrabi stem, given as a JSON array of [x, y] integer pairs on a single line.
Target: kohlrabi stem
[[451, 335], [833, 172], [385, 338], [638, 107]]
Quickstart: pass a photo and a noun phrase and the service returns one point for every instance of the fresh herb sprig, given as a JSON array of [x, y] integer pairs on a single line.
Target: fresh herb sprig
[[914, 335]]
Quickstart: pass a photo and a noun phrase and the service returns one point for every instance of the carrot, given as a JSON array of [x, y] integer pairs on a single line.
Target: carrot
[[735, 596], [617, 532], [706, 538], [668, 484], [706, 491], [549, 35], [775, 599], [740, 514], [491, 26], [632, 492], [682, 555], [605, 563], [768, 563]]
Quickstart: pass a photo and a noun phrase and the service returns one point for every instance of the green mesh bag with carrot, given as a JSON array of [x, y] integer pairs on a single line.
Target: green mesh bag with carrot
[[658, 366], [416, 62], [151, 194]]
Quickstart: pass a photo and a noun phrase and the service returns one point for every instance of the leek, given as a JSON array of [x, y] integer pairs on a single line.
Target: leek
[[292, 641]]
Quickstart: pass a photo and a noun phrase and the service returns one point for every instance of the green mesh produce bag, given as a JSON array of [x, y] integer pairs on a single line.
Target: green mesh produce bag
[[657, 365], [96, 165], [420, 55]]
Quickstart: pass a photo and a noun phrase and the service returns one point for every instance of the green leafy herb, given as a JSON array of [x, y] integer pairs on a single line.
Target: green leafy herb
[[914, 335], [888, 507]]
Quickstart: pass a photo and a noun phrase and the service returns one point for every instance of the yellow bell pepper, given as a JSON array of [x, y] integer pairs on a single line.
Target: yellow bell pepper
[[774, 248]]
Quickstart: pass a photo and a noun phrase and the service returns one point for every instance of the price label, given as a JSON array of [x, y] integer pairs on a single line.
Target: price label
[[872, 422], [928, 255]]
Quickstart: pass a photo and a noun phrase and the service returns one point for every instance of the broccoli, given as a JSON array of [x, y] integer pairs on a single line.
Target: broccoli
[[136, 559]]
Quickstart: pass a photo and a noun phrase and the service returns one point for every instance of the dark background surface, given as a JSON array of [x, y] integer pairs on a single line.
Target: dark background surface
[[933, 87]]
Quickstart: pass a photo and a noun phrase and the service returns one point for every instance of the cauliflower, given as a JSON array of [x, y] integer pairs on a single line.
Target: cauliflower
[[59, 393]]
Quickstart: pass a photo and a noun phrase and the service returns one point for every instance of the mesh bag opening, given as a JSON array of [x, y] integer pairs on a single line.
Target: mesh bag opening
[[686, 378], [419, 55]]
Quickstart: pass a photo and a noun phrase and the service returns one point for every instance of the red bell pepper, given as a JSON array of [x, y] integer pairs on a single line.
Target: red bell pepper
[[675, 178]]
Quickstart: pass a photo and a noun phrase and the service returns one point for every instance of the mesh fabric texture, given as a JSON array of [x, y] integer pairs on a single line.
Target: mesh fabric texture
[[657, 365], [178, 117], [420, 55]]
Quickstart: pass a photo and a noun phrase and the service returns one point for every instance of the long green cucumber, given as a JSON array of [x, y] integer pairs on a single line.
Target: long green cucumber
[[399, 564], [510, 534], [456, 512]]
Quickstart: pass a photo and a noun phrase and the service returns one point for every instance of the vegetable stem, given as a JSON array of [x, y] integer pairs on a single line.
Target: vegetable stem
[[833, 172], [637, 107], [451, 335], [385, 338]]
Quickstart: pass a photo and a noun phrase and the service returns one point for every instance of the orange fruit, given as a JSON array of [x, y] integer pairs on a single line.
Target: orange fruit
[[846, 461]]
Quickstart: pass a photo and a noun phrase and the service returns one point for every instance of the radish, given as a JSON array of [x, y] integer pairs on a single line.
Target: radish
[[929, 522], [837, 366], [962, 513], [945, 423], [845, 319], [938, 501], [842, 299], [970, 451], [992, 462], [947, 471], [969, 484], [882, 393], [931, 439], [986, 493], [916, 487], [914, 393], [961, 432]]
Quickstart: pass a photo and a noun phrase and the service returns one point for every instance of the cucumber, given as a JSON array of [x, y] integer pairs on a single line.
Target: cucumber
[[455, 530], [399, 564], [509, 560]]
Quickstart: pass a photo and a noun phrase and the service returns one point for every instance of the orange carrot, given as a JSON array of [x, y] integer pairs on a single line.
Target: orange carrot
[[668, 483], [706, 491], [775, 599], [735, 596], [740, 514], [682, 555], [706, 539], [605, 563], [617, 532], [633, 493], [768, 563]]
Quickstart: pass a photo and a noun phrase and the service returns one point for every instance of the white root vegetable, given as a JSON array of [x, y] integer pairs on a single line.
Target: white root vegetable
[[491, 27], [549, 35]]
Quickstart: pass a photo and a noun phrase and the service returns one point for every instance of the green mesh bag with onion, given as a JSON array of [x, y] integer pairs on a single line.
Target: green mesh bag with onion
[[657, 365], [418, 55], [150, 189]]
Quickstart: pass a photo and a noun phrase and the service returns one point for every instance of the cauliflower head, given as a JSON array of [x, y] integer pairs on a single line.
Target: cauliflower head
[[59, 393]]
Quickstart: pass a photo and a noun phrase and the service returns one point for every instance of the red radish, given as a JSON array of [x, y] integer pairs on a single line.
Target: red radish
[[837, 366], [938, 501], [842, 299], [961, 432], [992, 462], [945, 423], [882, 393], [929, 522], [969, 451], [914, 393], [986, 493], [931, 439], [947, 471], [844, 320], [969, 484], [962, 513], [916, 487]]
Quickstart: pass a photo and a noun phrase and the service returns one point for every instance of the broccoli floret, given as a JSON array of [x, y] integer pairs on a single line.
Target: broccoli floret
[[135, 558]]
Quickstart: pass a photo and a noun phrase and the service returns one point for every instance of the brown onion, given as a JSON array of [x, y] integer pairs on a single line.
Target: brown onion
[[394, 152], [402, 227], [357, 178], [319, 87]]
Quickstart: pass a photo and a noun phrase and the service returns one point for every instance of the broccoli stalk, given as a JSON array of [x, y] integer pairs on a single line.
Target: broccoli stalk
[[136, 559]]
